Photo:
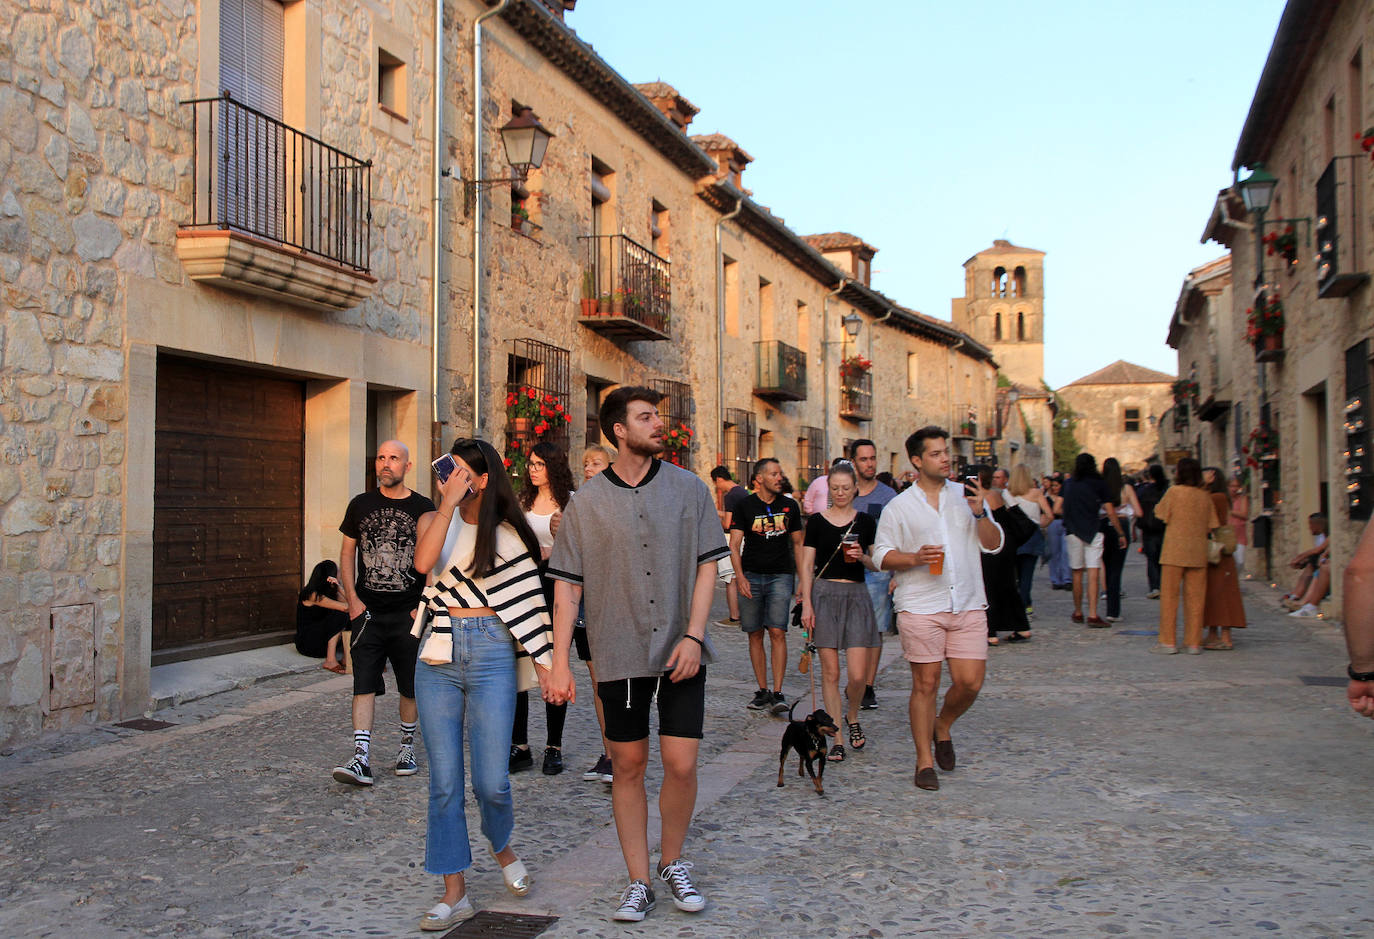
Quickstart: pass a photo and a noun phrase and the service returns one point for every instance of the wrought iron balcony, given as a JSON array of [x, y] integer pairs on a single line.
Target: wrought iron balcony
[[965, 421], [779, 371], [276, 211], [856, 396], [626, 289]]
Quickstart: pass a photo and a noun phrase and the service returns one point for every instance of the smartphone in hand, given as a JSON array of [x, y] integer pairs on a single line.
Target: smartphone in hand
[[444, 467], [970, 486]]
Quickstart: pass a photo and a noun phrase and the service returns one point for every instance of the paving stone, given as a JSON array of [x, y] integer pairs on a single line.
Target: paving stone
[[1100, 791]]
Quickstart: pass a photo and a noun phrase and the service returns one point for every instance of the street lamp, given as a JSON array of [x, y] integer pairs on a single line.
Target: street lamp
[[526, 141], [852, 323], [1257, 192]]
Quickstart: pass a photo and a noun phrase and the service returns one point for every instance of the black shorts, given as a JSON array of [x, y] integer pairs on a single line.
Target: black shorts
[[377, 639], [584, 649], [681, 706]]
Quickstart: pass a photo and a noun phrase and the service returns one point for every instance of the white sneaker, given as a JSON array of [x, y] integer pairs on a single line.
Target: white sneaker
[[686, 897], [1305, 611]]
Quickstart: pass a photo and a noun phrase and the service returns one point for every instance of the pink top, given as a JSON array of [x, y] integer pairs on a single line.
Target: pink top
[[817, 495], [1240, 514]]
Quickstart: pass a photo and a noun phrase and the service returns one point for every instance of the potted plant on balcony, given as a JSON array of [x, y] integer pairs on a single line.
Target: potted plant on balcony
[[522, 407], [853, 367], [1366, 140], [678, 443], [1186, 391], [1264, 324], [1263, 446], [519, 215], [589, 300], [1283, 243]]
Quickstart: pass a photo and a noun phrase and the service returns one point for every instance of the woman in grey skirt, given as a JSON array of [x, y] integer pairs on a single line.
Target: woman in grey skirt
[[836, 610]]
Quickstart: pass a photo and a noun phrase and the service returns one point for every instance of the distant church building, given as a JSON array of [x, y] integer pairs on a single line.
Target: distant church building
[[1003, 307]]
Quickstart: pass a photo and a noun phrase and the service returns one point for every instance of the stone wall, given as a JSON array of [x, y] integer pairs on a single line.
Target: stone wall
[[1099, 412]]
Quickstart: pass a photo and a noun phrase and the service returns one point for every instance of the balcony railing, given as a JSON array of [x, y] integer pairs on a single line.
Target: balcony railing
[[856, 396], [258, 176], [779, 371], [626, 289]]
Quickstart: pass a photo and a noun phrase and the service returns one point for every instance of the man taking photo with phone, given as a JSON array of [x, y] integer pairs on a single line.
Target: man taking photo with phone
[[930, 536]]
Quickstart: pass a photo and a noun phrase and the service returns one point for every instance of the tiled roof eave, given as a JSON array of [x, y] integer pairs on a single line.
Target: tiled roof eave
[[561, 47]]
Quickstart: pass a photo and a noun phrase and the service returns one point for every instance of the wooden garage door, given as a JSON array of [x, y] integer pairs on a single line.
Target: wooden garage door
[[228, 514]]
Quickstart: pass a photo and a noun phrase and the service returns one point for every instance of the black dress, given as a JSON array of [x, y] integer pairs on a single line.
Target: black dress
[[314, 627], [1006, 612]]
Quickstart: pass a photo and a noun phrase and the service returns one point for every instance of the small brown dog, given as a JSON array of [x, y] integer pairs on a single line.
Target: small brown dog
[[807, 737]]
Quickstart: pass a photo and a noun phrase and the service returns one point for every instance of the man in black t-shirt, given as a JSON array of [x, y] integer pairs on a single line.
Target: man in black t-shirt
[[765, 549], [382, 588], [728, 494]]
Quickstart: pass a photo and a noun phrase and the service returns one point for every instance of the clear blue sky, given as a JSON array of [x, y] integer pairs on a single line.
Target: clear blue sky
[[1098, 131]]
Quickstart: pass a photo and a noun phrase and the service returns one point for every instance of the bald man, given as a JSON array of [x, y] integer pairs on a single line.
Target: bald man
[[382, 587]]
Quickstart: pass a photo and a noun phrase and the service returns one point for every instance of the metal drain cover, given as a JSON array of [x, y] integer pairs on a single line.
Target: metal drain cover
[[493, 925], [1326, 680], [144, 723]]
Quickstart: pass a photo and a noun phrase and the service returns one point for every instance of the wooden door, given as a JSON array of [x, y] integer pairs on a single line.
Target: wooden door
[[228, 508]]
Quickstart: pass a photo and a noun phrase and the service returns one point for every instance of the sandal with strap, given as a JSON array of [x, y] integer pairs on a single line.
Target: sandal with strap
[[857, 740], [836, 754]]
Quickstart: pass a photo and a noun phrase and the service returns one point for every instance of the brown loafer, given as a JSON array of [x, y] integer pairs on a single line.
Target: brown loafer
[[944, 754], [926, 779], [1076, 618]]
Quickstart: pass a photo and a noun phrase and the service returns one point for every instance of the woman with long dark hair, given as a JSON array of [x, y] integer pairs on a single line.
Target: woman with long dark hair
[[1224, 609], [545, 487], [1187, 511], [1151, 528], [320, 614], [1121, 497], [1061, 575], [488, 636]]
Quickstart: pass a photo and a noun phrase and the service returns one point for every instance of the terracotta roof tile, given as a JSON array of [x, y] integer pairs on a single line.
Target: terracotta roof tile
[[1122, 372]]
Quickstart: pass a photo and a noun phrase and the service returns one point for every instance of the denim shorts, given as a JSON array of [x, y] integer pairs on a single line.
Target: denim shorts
[[771, 605]]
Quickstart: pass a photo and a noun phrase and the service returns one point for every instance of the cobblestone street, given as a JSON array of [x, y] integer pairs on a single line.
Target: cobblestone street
[[1099, 790]]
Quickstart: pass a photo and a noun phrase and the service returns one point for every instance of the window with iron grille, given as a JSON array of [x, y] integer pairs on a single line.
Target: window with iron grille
[[741, 449], [537, 393], [679, 425], [810, 455]]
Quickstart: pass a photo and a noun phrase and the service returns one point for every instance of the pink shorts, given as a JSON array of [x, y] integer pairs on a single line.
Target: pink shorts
[[934, 637]]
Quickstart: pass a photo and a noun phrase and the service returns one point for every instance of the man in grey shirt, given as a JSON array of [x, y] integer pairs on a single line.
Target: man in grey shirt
[[642, 539]]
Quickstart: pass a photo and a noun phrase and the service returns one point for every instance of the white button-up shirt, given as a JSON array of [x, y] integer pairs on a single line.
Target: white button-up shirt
[[908, 522]]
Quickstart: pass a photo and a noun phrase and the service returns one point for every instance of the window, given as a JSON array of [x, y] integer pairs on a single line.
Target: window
[[740, 442], [658, 229], [861, 270], [999, 282], [731, 295], [803, 327], [913, 372], [391, 84], [767, 315], [811, 459], [997, 327], [1021, 326], [1131, 425], [252, 57], [1018, 284]]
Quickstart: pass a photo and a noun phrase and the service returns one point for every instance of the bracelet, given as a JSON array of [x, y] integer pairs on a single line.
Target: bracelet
[[982, 514], [437, 512], [694, 639]]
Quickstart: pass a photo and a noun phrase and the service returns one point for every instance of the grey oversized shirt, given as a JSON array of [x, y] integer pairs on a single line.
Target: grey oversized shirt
[[634, 551]]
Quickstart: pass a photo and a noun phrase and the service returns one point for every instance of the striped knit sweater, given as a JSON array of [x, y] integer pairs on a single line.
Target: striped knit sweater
[[512, 589]]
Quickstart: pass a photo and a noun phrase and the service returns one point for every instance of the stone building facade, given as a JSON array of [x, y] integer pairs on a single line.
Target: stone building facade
[[1305, 395], [216, 306], [1208, 421], [1117, 410]]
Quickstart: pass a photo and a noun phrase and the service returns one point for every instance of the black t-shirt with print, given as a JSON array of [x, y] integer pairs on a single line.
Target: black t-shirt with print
[[767, 528], [385, 531]]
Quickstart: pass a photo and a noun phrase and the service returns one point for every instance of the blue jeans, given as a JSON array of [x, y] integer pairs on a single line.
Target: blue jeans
[[477, 686], [1059, 554], [876, 582], [771, 604]]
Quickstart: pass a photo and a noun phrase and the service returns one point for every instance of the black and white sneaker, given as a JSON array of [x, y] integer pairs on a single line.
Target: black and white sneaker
[[594, 774], [686, 897], [763, 698], [635, 902], [777, 704], [405, 760], [870, 700], [355, 771]]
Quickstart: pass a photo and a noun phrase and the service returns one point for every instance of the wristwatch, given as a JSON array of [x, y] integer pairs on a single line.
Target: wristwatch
[[1358, 676], [982, 514]]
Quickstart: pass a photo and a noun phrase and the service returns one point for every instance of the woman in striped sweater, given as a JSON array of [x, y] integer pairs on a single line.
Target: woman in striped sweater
[[489, 634]]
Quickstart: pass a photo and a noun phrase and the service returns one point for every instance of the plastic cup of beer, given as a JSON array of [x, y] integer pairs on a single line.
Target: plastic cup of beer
[[852, 550], [937, 567]]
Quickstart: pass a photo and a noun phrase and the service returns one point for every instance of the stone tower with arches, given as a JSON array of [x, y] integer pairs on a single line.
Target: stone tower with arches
[[1003, 307]]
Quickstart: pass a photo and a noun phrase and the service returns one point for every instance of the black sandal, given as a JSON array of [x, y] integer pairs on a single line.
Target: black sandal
[[836, 754], [857, 740]]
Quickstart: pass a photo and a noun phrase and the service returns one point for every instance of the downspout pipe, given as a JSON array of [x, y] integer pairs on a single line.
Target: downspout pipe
[[720, 322], [949, 380], [825, 356], [477, 215], [437, 224]]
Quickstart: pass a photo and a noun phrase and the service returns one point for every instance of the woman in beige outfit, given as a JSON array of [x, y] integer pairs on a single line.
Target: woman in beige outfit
[[1188, 512]]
